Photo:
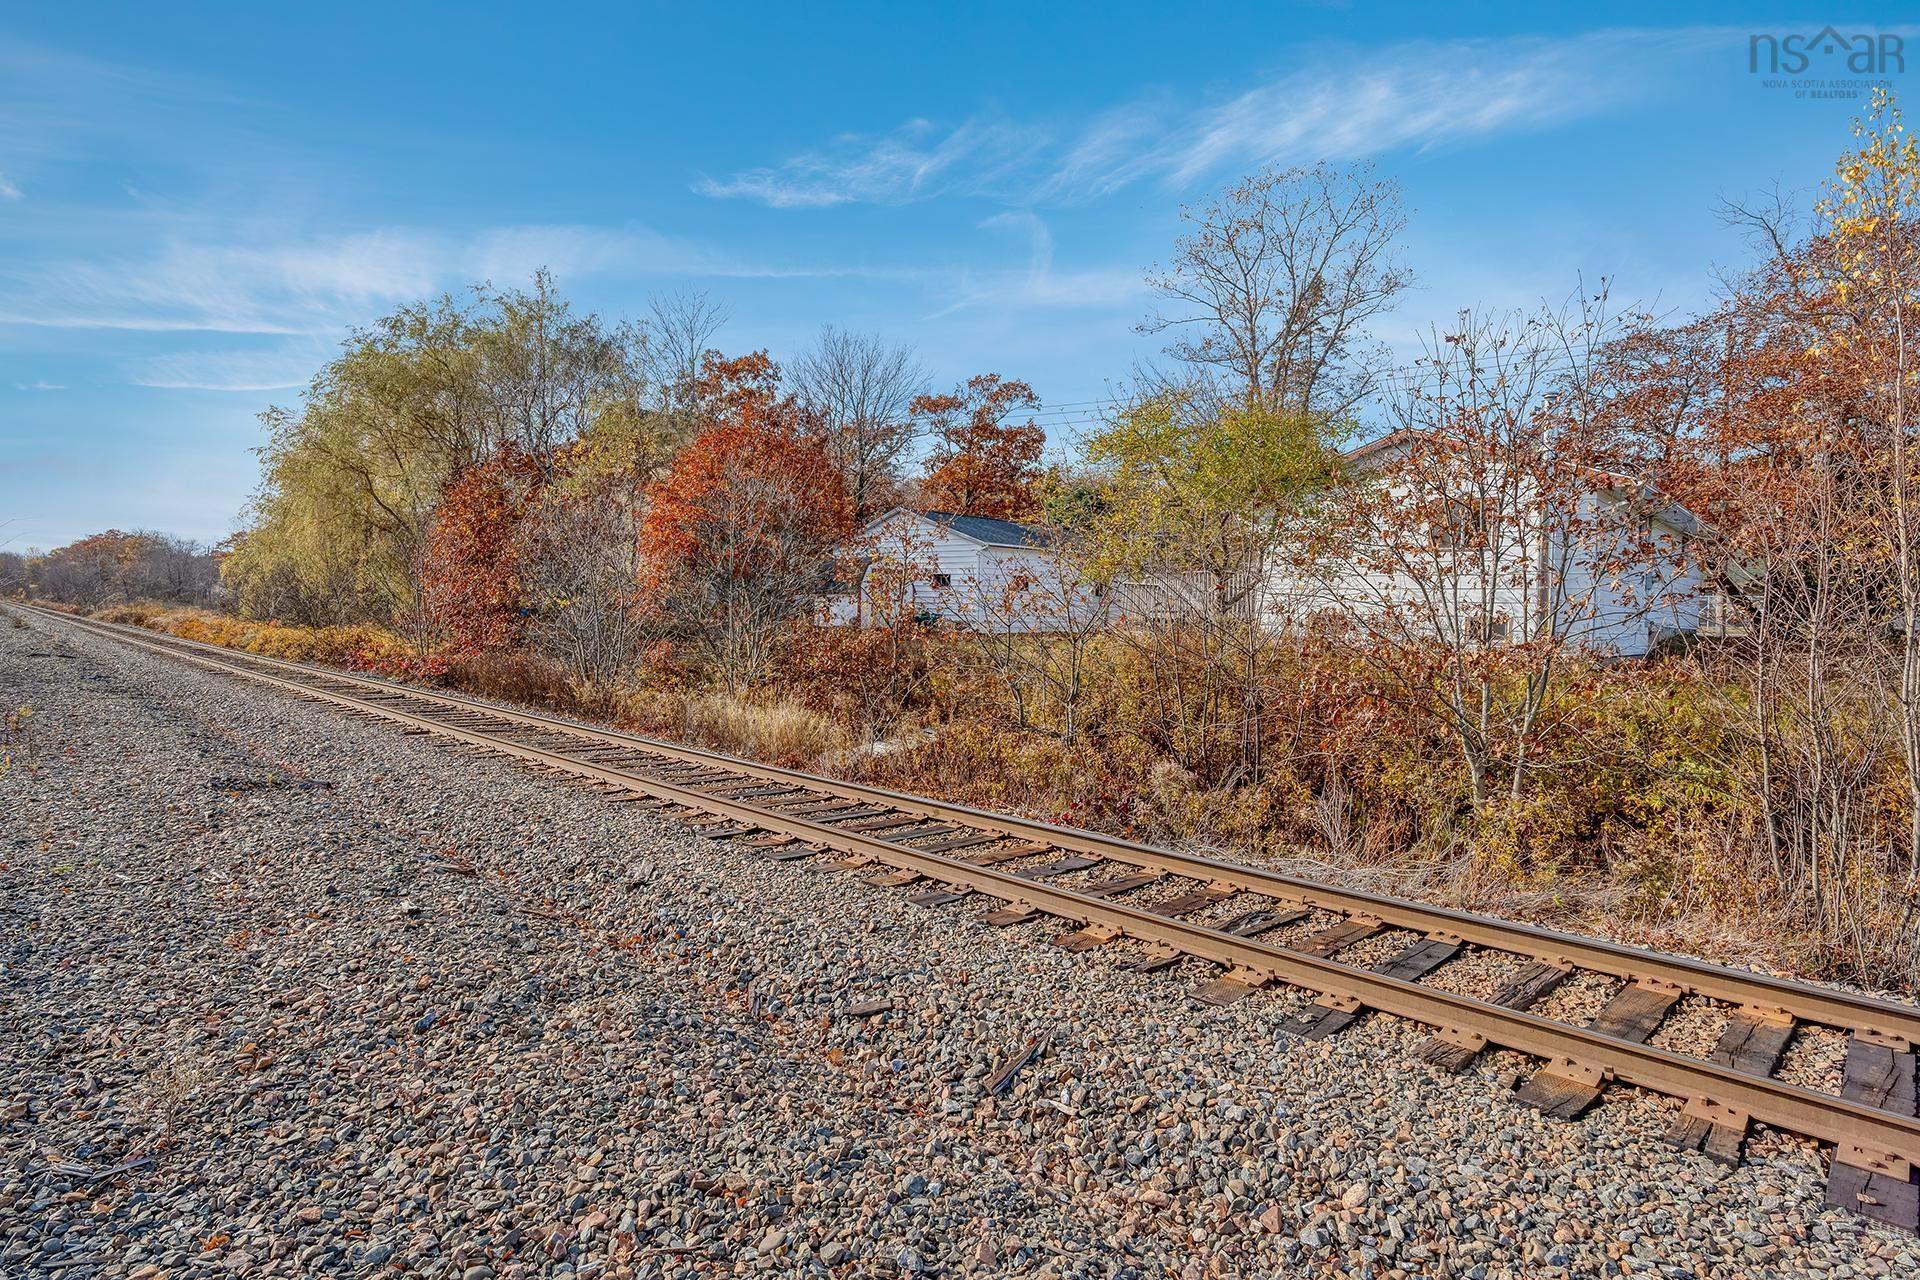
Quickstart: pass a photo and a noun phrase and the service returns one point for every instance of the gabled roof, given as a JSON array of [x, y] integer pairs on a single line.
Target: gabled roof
[[981, 529]]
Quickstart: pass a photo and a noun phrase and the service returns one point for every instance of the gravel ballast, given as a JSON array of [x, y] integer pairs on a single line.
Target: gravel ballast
[[287, 993]]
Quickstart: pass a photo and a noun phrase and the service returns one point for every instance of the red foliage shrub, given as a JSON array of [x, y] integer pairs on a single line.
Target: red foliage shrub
[[469, 582]]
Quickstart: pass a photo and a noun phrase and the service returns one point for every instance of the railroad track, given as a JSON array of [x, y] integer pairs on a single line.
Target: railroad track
[[1258, 927]]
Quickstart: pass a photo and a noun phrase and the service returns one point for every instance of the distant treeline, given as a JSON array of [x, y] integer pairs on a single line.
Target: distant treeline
[[113, 567]]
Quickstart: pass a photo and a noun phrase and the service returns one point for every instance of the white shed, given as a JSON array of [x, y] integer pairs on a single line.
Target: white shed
[[970, 571]]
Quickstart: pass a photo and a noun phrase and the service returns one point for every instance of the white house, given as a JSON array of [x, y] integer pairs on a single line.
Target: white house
[[1609, 569], [970, 571]]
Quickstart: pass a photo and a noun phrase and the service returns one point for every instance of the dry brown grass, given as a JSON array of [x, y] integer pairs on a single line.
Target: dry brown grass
[[770, 730]]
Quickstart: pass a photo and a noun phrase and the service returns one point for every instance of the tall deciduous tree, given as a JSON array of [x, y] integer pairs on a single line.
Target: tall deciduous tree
[[1201, 512], [981, 463], [1872, 276], [862, 389], [1476, 537], [1269, 294], [350, 482]]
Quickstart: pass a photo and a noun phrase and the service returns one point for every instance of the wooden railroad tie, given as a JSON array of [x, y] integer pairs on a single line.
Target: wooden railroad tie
[[1333, 1013], [1711, 1129], [1456, 1052], [1880, 1073], [1087, 938], [1009, 913], [938, 897], [1563, 1088]]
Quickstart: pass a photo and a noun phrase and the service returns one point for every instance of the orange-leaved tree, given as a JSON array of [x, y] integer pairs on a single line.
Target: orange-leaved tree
[[982, 464], [740, 536]]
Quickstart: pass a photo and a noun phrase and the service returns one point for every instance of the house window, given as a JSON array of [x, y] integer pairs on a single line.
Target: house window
[[942, 581], [1463, 524]]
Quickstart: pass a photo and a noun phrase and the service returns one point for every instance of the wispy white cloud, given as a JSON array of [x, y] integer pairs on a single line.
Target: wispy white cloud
[[318, 285], [41, 385], [284, 366], [1344, 104], [913, 162], [1039, 285], [8, 191], [1423, 95]]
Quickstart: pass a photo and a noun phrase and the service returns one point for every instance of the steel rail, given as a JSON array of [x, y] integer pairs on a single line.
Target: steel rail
[[1790, 1107], [1824, 1006]]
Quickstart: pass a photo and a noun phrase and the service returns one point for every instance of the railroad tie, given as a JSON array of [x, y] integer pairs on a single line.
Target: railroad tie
[[1333, 1013], [1086, 939], [937, 897], [1880, 1073], [1336, 938], [1454, 1049], [1234, 985], [993, 857], [1753, 1041], [1264, 920], [1188, 903], [1563, 1088], [790, 853], [1120, 884], [1009, 913], [1155, 958], [925, 833], [1058, 867], [961, 842]]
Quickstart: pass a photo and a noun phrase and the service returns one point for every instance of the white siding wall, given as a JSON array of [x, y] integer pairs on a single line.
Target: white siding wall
[[1621, 613], [975, 593], [940, 551]]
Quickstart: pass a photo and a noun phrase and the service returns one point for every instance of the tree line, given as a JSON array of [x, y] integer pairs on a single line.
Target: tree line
[[113, 568]]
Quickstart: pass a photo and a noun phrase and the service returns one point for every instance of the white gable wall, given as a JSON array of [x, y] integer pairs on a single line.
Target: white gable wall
[[977, 578]]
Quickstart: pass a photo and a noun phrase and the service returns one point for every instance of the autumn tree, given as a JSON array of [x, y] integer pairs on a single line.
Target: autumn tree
[[1201, 514], [982, 463], [740, 535], [863, 391], [1269, 294], [351, 481], [470, 572], [1475, 539], [1785, 415], [114, 566], [1870, 272]]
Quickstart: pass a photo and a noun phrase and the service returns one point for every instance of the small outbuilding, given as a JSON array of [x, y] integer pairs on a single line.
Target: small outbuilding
[[962, 570]]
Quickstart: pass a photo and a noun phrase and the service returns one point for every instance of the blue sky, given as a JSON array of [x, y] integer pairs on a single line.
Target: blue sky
[[196, 204]]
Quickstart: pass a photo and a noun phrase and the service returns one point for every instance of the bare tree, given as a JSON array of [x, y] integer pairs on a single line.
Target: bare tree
[[1477, 539], [1272, 290], [861, 388], [579, 567], [544, 374], [678, 338]]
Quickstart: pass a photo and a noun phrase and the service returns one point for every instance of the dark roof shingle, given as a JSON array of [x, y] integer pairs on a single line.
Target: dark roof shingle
[[995, 533]]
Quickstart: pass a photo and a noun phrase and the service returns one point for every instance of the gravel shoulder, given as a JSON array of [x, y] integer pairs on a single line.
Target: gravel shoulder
[[284, 993]]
